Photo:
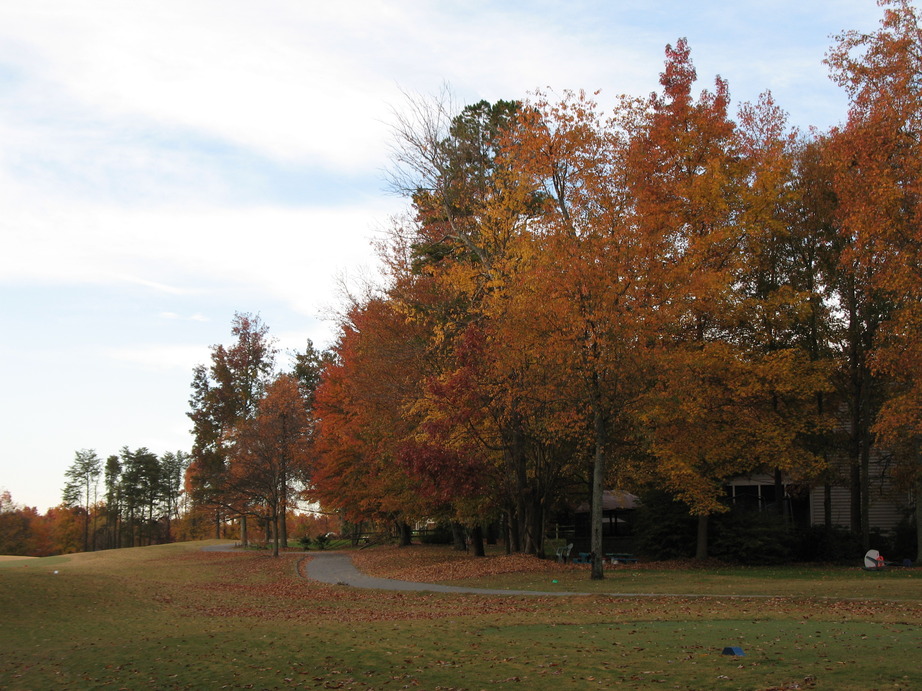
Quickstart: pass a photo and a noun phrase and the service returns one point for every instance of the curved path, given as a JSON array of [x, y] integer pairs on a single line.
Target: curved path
[[337, 568]]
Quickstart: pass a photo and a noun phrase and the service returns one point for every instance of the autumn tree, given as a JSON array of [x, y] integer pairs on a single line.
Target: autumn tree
[[363, 412], [733, 382], [270, 452], [686, 181], [469, 210], [80, 489], [15, 527], [223, 395], [580, 304], [785, 284], [879, 179]]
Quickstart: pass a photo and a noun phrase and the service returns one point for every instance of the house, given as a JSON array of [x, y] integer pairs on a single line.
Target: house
[[888, 505], [618, 515]]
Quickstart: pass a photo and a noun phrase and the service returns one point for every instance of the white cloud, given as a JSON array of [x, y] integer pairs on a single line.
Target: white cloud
[[292, 80], [161, 357], [271, 80], [291, 254]]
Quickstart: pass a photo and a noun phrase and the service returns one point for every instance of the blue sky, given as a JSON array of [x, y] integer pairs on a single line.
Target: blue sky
[[165, 164]]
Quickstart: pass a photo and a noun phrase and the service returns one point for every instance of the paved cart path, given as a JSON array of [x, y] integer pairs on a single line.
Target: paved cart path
[[337, 568]]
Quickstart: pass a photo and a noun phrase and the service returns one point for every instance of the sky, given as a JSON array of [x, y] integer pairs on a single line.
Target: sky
[[164, 165]]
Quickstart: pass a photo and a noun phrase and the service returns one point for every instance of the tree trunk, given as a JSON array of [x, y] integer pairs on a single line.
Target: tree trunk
[[406, 535], [918, 501], [491, 533], [701, 549], [537, 528], [457, 536], [283, 526], [855, 501], [779, 493], [532, 511], [477, 541], [86, 521], [515, 539], [866, 495], [275, 533], [521, 488], [244, 538], [598, 482]]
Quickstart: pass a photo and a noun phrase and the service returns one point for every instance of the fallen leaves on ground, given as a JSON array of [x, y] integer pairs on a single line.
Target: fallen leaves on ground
[[261, 587], [434, 564]]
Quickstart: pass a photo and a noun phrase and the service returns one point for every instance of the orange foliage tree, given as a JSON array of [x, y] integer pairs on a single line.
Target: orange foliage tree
[[657, 295], [362, 408], [732, 381], [270, 454], [879, 181], [579, 310]]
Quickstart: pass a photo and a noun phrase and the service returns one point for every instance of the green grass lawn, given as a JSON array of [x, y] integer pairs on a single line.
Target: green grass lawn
[[794, 581], [175, 617]]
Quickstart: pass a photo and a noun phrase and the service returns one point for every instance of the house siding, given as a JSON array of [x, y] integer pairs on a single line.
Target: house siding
[[887, 506]]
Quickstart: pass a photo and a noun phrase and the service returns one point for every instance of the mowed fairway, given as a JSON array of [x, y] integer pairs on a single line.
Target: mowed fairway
[[177, 617]]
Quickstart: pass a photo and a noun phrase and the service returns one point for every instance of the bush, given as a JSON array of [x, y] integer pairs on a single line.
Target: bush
[[305, 542], [833, 545], [322, 541], [905, 540], [746, 536], [663, 528]]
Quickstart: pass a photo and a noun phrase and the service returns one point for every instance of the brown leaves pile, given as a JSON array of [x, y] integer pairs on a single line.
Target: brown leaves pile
[[435, 564]]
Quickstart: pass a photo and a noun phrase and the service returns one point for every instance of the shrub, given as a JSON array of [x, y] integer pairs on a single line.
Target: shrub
[[664, 529], [746, 536], [905, 540], [834, 545], [305, 542], [322, 541]]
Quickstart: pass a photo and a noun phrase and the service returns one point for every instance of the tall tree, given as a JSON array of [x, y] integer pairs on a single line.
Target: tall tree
[[364, 411], [731, 383], [80, 489], [469, 209], [687, 179], [585, 285], [141, 491], [112, 483], [879, 182], [269, 458], [225, 394], [172, 470]]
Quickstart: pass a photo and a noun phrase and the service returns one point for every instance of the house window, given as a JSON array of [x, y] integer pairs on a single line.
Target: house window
[[755, 497]]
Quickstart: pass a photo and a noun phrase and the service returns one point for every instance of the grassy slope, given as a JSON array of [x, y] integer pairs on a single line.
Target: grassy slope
[[176, 617]]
